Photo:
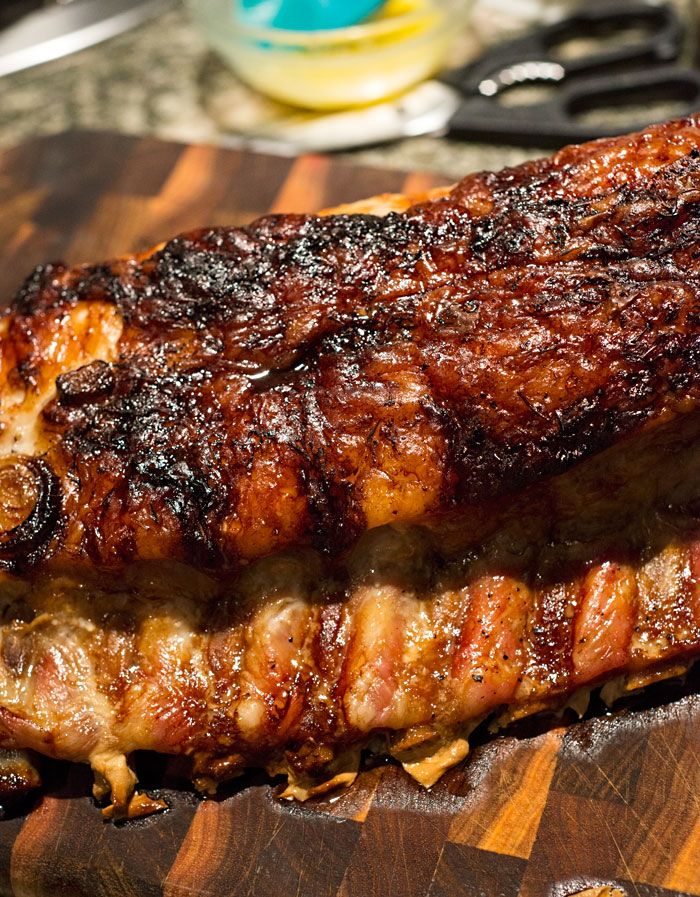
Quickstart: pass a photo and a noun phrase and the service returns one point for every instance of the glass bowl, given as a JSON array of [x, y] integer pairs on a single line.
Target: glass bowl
[[403, 44]]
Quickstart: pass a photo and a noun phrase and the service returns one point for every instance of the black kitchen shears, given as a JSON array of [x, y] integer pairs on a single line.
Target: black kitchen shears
[[630, 71]]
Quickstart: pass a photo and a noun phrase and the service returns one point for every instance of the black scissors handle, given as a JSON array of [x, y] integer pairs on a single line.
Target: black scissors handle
[[660, 43], [558, 120]]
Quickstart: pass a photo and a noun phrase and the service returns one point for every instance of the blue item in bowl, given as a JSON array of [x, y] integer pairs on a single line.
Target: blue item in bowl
[[306, 15]]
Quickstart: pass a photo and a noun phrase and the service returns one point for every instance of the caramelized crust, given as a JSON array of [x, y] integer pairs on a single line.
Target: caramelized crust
[[303, 379]]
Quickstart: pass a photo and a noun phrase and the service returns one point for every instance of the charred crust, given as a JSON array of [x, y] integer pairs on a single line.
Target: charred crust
[[90, 382], [535, 329], [41, 290]]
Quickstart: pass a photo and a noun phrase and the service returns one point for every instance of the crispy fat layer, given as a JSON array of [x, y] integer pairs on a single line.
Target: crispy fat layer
[[297, 663]]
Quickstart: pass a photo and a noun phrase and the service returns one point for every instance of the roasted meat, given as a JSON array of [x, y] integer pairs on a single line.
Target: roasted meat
[[272, 494]]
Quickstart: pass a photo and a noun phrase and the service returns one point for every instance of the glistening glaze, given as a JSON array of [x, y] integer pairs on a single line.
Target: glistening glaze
[[297, 381]]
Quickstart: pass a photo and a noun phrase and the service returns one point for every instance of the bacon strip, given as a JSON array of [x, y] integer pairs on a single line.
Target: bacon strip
[[298, 662]]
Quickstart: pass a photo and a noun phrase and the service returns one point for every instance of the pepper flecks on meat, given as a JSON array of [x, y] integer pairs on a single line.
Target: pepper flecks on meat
[[305, 378]]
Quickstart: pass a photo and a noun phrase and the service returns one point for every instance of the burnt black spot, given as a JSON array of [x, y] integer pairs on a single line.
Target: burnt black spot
[[85, 384], [40, 290]]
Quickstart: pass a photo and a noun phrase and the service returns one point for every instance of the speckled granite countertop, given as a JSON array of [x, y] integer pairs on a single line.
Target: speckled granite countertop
[[161, 79]]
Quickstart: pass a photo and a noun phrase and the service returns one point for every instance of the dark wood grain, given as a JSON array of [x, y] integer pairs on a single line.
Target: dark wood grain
[[549, 810]]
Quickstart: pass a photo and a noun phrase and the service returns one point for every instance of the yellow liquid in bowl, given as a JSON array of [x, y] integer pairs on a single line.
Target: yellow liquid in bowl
[[406, 42]]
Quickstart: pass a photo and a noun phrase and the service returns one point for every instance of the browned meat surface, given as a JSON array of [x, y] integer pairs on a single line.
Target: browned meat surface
[[270, 493], [300, 380]]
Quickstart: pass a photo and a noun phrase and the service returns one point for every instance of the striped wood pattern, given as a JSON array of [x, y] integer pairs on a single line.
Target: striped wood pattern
[[553, 811]]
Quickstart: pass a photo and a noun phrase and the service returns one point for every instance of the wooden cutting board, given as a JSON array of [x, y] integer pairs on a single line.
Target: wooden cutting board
[[614, 799]]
